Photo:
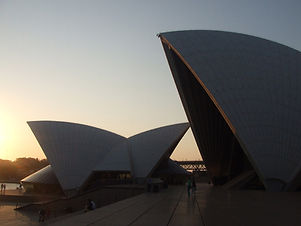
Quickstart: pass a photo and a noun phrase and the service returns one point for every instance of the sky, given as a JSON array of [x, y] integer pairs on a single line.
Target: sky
[[100, 63]]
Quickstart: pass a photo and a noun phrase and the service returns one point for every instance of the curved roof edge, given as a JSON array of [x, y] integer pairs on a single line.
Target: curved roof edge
[[224, 31], [72, 123]]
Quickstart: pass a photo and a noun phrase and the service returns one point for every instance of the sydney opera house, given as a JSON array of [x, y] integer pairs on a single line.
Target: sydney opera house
[[242, 97], [81, 156]]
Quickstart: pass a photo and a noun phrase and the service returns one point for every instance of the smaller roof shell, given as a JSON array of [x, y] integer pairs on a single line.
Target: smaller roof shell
[[42, 176], [73, 149], [150, 147]]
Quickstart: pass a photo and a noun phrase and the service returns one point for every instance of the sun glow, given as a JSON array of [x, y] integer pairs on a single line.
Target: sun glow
[[4, 134], [1, 137], [2, 140]]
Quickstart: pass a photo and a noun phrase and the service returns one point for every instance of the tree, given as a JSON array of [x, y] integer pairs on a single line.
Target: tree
[[20, 168]]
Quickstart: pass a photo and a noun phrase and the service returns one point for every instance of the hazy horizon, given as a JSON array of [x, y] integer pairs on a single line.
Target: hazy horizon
[[100, 63]]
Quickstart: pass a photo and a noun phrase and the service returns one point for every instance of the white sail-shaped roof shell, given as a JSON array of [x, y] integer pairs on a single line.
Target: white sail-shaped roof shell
[[117, 159], [256, 86], [42, 176], [173, 168], [141, 153], [150, 147], [74, 151]]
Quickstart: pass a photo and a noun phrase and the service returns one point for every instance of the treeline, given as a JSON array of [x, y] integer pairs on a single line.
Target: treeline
[[20, 168]]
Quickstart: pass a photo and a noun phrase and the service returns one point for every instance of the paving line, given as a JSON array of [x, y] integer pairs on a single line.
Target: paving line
[[144, 212], [202, 218], [148, 209], [110, 214], [174, 210]]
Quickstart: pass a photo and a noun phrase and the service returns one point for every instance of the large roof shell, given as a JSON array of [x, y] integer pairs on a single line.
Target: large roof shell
[[255, 84]]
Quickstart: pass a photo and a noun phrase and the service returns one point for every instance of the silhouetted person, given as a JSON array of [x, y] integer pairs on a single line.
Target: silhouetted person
[[42, 214], [4, 188], [90, 205], [19, 188], [149, 184], [189, 186], [193, 185], [47, 213], [1, 188]]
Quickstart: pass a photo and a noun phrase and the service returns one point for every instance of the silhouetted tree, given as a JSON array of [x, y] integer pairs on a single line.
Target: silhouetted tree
[[7, 170], [20, 168]]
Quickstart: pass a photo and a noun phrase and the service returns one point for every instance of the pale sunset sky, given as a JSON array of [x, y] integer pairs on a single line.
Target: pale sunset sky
[[100, 63]]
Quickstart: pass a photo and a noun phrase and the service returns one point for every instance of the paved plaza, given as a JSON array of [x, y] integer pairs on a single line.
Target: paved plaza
[[10, 217], [208, 207]]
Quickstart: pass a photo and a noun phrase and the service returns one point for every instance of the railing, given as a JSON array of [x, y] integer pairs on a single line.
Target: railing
[[193, 165]]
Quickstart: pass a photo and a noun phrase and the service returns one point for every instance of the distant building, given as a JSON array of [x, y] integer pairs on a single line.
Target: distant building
[[242, 97], [82, 156]]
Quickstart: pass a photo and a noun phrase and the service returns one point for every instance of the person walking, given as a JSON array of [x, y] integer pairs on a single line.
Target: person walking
[[188, 187], [149, 184], [42, 214], [193, 185]]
